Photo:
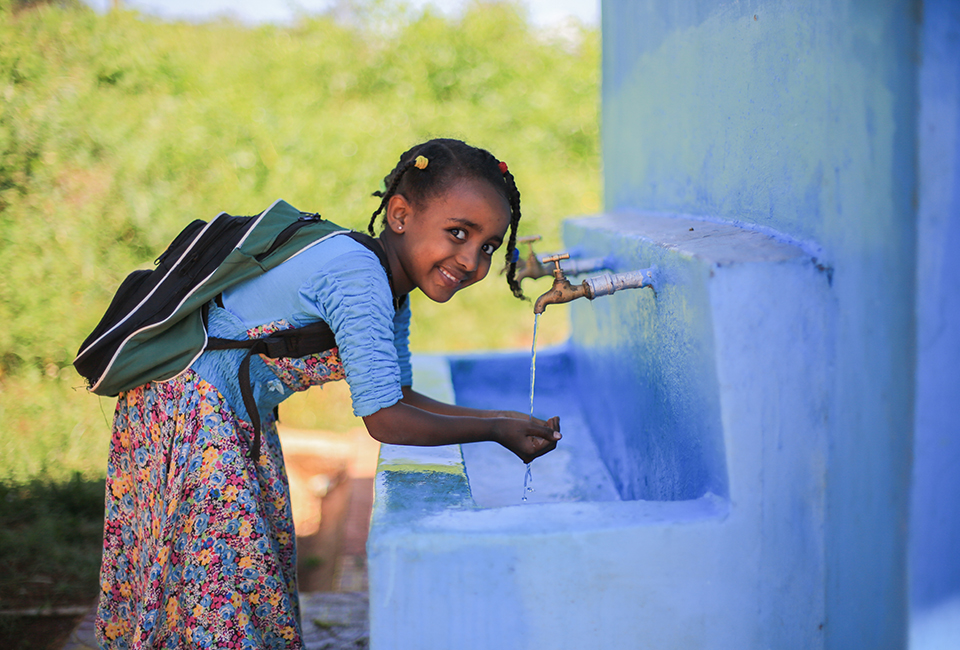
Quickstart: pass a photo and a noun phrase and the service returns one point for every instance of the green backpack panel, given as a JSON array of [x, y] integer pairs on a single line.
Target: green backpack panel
[[154, 328]]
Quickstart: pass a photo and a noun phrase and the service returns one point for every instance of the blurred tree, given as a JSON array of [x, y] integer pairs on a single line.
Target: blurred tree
[[116, 130]]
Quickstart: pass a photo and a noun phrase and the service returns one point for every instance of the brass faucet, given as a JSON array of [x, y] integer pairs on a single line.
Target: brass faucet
[[531, 266], [598, 285], [562, 291]]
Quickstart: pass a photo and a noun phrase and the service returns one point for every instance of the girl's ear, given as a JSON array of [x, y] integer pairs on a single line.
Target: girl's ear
[[398, 211]]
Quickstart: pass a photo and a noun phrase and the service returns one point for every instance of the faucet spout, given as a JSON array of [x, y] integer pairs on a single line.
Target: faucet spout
[[561, 292], [531, 268]]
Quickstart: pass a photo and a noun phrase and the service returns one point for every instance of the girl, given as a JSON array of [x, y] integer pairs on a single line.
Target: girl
[[199, 546]]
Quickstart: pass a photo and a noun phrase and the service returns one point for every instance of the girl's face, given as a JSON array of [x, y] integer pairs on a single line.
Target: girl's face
[[448, 243]]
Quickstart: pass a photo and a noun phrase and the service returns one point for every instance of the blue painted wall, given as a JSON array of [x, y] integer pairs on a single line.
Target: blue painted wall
[[935, 501], [646, 371], [833, 123]]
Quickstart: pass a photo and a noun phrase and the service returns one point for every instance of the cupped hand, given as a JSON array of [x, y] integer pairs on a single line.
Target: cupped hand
[[515, 415], [528, 438]]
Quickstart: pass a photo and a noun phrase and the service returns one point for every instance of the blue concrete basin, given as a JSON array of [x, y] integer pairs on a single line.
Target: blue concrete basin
[[684, 507], [573, 472], [456, 559]]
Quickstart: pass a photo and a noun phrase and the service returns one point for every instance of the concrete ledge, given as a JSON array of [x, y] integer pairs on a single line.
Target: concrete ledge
[[714, 242], [413, 482]]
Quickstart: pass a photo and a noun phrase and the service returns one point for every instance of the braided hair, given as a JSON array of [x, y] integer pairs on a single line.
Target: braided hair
[[451, 161]]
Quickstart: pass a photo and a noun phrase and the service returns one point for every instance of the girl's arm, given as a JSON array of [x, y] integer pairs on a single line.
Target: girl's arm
[[417, 423], [413, 398]]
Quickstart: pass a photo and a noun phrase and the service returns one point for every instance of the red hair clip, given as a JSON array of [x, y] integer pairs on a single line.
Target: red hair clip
[[503, 167]]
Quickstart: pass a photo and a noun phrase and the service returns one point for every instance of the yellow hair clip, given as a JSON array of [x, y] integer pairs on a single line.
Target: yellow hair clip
[[421, 162]]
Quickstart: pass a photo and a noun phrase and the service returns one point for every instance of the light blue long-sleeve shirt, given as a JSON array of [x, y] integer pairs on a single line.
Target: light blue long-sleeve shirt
[[338, 281]]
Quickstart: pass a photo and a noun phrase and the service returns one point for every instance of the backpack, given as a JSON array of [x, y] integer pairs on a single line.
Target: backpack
[[155, 326]]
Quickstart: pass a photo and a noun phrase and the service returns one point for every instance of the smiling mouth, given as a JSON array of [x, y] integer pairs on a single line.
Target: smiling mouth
[[452, 278]]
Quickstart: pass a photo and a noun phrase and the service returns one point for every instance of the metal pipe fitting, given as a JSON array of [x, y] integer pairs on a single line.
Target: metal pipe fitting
[[604, 285]]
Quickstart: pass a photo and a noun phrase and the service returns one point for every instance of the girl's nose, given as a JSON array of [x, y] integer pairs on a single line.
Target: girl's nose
[[469, 260]]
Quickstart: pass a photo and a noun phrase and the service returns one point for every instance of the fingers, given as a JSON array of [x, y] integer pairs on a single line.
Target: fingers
[[552, 423], [549, 430], [542, 439], [548, 447], [530, 438]]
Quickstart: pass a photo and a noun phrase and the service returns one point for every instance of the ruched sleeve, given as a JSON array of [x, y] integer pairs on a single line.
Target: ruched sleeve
[[401, 341], [352, 295]]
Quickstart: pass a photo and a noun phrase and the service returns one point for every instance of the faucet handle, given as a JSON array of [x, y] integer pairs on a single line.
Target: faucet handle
[[556, 260], [529, 241]]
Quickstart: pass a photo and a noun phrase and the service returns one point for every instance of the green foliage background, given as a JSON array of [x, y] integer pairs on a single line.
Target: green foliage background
[[116, 130]]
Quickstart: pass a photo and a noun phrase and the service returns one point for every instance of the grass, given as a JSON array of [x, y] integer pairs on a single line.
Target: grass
[[50, 542]]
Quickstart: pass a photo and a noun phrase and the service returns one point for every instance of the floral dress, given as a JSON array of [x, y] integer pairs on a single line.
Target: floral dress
[[199, 545]]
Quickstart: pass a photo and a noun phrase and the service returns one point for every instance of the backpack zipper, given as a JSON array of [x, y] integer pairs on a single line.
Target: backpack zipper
[[305, 219]]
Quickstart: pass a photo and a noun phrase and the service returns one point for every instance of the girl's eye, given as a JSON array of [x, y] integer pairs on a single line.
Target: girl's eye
[[459, 233], [489, 249]]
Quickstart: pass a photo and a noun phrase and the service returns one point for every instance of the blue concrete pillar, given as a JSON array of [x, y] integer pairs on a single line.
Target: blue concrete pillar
[[935, 500], [799, 119]]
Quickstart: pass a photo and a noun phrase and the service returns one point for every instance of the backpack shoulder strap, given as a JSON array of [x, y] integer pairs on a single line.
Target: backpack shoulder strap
[[297, 342], [293, 343], [374, 246]]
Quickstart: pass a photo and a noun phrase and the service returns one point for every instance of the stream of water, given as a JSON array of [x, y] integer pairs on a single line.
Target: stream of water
[[528, 475]]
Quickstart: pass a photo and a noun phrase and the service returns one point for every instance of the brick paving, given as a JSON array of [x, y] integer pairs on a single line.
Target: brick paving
[[336, 621]]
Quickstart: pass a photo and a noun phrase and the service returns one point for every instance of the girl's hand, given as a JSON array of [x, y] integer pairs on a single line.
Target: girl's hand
[[516, 415], [528, 438], [420, 420]]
